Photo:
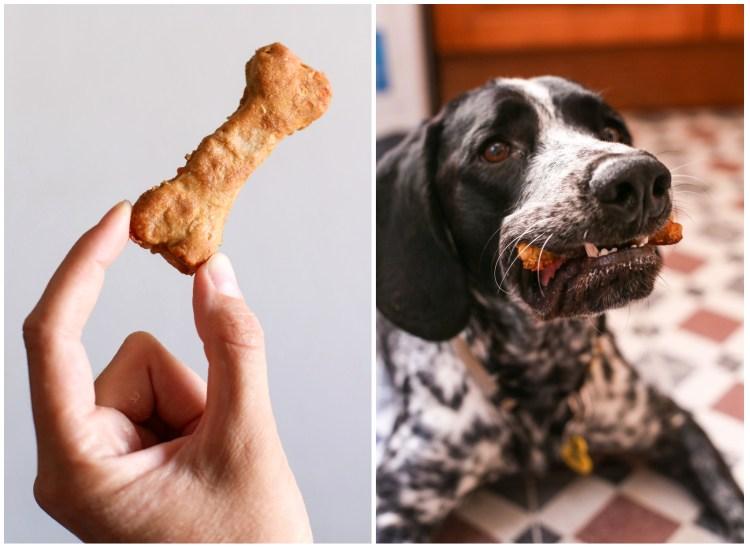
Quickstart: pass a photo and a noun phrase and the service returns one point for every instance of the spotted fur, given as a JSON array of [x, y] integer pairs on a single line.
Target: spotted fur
[[441, 311]]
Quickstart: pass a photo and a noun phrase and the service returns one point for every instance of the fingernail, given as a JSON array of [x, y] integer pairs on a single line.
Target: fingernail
[[116, 209], [222, 275]]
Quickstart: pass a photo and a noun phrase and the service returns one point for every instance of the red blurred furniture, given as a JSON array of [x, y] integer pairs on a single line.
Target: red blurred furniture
[[641, 56]]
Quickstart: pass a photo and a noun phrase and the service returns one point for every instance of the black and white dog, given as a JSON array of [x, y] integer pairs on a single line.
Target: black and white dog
[[499, 369]]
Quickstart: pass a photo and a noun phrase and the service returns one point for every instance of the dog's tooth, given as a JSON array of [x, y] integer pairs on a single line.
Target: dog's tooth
[[603, 252], [642, 241], [613, 250], [591, 250], [633, 246]]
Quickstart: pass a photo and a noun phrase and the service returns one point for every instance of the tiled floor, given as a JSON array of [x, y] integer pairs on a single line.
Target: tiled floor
[[686, 338]]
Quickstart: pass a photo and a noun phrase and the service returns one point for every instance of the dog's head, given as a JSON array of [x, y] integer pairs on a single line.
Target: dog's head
[[541, 162]]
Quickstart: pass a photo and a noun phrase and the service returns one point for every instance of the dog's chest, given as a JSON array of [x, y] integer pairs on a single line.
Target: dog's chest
[[517, 411]]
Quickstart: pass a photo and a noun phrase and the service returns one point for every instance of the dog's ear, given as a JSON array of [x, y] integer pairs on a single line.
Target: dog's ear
[[421, 285]]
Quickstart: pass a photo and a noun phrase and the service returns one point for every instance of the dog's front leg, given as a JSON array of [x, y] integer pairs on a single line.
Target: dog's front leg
[[447, 438], [425, 471], [417, 488], [683, 450]]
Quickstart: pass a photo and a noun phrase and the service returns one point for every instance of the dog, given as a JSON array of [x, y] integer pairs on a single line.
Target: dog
[[497, 369]]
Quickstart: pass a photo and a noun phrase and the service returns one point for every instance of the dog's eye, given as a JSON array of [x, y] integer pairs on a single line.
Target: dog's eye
[[497, 151], [611, 134]]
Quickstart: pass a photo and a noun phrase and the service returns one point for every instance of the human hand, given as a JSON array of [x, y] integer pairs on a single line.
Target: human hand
[[149, 452]]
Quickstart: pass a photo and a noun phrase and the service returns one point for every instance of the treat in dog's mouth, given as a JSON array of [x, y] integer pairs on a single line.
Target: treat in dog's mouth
[[594, 277], [546, 262]]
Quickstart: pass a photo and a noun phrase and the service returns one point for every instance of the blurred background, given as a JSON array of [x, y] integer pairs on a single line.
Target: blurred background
[[676, 73], [103, 102], [640, 56]]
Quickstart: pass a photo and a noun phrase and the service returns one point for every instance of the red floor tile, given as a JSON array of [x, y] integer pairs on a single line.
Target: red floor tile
[[726, 165], [733, 402], [705, 134], [623, 520], [456, 529], [711, 325], [683, 262]]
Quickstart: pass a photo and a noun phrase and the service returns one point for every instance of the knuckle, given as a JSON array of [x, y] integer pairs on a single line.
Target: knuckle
[[138, 338]]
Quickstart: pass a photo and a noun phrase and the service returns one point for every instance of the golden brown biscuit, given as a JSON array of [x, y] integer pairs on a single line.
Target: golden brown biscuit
[[533, 258], [183, 218], [671, 233]]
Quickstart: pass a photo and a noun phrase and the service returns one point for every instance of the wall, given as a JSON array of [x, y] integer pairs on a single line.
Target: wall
[[405, 100]]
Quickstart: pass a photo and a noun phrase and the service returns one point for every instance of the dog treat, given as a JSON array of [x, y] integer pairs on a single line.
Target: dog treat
[[533, 258], [671, 233], [183, 218]]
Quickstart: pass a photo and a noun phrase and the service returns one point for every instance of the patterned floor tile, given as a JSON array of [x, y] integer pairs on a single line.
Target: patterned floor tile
[[497, 517], [728, 432], [726, 165], [623, 520], [668, 370], [693, 533], [711, 325], [704, 387], [456, 529], [537, 533], [572, 508], [516, 488], [729, 362], [683, 262], [733, 402], [657, 492], [721, 231], [737, 285]]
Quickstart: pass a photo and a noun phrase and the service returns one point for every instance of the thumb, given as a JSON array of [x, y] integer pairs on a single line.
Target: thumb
[[233, 341]]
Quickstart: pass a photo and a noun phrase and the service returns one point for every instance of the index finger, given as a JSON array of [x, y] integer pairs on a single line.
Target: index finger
[[59, 373]]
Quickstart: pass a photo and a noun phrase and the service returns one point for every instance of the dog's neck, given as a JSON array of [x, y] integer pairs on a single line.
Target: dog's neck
[[531, 360]]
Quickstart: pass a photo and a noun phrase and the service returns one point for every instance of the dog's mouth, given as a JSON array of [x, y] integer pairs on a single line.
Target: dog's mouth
[[590, 278]]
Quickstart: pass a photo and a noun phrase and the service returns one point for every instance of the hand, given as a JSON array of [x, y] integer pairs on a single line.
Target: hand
[[149, 452]]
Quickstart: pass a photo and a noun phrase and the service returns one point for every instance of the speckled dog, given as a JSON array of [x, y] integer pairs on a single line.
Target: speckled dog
[[499, 369]]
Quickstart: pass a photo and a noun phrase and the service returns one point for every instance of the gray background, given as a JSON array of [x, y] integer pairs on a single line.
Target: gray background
[[102, 103]]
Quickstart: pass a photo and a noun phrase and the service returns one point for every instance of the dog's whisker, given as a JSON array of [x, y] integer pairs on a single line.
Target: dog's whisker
[[481, 255], [662, 281], [667, 152], [679, 208], [690, 185], [507, 271], [499, 263], [512, 241], [494, 276], [687, 177], [683, 165], [684, 192]]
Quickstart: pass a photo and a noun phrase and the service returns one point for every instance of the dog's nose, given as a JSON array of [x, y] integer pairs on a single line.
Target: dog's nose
[[633, 189]]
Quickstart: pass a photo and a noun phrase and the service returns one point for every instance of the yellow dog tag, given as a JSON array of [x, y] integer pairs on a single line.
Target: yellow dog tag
[[575, 454]]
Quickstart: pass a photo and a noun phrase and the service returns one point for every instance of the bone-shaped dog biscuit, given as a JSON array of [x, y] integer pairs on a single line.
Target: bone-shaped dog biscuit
[[183, 218]]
